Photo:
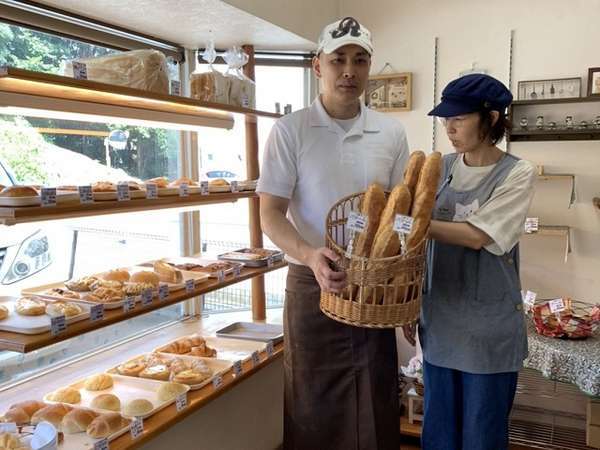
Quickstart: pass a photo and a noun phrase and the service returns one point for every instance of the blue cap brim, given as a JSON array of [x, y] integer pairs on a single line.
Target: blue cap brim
[[449, 108]]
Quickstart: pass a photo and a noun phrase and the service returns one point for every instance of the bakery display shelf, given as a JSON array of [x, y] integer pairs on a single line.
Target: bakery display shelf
[[16, 215], [27, 343], [36, 91], [556, 176], [552, 230], [555, 101], [169, 416], [589, 134]]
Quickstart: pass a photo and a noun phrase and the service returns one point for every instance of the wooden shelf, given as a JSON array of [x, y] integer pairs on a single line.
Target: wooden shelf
[[45, 95], [556, 176], [409, 429], [555, 101], [16, 215], [552, 230], [26, 343], [590, 134]]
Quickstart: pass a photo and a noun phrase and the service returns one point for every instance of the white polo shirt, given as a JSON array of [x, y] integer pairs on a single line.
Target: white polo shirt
[[310, 160]]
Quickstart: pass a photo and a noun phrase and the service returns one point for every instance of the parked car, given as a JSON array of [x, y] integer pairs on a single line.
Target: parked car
[[216, 173]]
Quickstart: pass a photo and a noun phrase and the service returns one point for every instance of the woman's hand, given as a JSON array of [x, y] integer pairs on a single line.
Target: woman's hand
[[319, 261], [410, 332]]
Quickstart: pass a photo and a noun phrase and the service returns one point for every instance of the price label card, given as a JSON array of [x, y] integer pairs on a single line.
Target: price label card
[[403, 224], [357, 222], [123, 192], [48, 196], [557, 305], [137, 427], [204, 188], [255, 358], [217, 381], [97, 312], [221, 276], [529, 298], [181, 401], [85, 194], [270, 261], [79, 70], [147, 297], [128, 304], [189, 286], [531, 224], [237, 270], [175, 87], [58, 325], [270, 348], [234, 187], [151, 191], [102, 444], [184, 190], [8, 427], [350, 247], [237, 368], [163, 292]]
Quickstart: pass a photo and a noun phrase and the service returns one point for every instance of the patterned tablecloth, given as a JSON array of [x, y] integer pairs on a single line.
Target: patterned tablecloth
[[570, 361]]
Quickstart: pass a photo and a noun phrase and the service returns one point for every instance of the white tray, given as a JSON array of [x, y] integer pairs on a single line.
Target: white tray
[[227, 349], [39, 291], [127, 389], [17, 323], [218, 367], [105, 196], [199, 261], [173, 191], [198, 277], [61, 197]]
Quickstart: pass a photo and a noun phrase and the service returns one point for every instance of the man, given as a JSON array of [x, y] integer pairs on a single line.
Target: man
[[340, 381]]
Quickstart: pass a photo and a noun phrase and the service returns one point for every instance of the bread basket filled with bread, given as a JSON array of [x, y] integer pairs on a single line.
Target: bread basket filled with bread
[[381, 240]]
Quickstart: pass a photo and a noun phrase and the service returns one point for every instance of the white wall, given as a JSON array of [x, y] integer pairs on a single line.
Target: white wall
[[553, 39]]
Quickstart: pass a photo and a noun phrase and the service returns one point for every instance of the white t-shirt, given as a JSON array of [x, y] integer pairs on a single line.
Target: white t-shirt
[[312, 161], [502, 216]]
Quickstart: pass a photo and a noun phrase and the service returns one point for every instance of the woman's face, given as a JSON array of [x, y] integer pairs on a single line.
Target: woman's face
[[463, 131]]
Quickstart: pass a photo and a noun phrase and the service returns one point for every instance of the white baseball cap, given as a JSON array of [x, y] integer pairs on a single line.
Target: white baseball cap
[[344, 32]]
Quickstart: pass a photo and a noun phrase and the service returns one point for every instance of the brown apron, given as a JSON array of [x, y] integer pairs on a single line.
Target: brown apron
[[341, 382]]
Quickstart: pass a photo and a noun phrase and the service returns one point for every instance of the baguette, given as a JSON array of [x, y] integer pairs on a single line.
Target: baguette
[[413, 170]]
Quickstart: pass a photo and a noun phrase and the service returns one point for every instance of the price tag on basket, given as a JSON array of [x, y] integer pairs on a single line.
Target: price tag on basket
[[175, 87], [79, 70], [128, 304], [48, 196], [403, 224], [204, 188], [137, 427], [237, 270], [237, 368], [531, 224], [557, 305], [234, 187], [189, 286], [350, 247], [102, 444], [85, 194], [181, 402], [97, 312], [151, 191], [221, 276], [123, 192], [270, 349], [9, 427], [163, 292], [146, 297], [184, 190], [255, 358], [217, 381], [529, 298], [58, 325], [357, 222]]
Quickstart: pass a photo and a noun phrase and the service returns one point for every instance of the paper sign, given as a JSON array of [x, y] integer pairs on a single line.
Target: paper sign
[[234, 187], [146, 297], [102, 444], [184, 190], [357, 222], [137, 427], [237, 271], [151, 191], [97, 312], [85, 194], [270, 348], [175, 87], [529, 298], [48, 196], [217, 381], [163, 292], [58, 325], [237, 368], [221, 276], [270, 261], [255, 358], [204, 188], [403, 224], [123, 192], [189, 286], [128, 304], [557, 305], [531, 224], [181, 401], [79, 70]]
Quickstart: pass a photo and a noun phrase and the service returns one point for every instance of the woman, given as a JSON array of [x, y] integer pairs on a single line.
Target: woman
[[472, 326]]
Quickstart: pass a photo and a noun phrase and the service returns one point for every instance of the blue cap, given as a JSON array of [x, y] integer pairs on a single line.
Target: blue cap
[[472, 93]]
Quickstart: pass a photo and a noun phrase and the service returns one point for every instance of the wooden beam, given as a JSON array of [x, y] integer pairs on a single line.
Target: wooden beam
[[69, 131], [259, 311]]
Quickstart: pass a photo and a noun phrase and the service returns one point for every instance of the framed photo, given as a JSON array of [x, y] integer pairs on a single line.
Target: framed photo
[[593, 82], [549, 89], [391, 92]]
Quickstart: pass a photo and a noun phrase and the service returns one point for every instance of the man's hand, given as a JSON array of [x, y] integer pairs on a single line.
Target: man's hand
[[328, 279], [409, 333]]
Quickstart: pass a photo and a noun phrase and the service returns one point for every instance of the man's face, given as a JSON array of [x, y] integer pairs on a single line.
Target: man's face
[[343, 73]]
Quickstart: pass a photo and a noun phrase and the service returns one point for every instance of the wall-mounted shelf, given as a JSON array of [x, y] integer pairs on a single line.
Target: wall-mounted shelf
[[589, 134], [560, 231], [554, 101], [561, 177]]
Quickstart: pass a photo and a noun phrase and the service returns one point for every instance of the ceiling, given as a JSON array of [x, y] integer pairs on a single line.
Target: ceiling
[[187, 22]]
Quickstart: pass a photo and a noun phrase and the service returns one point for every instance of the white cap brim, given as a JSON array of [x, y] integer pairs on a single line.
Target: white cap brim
[[350, 40]]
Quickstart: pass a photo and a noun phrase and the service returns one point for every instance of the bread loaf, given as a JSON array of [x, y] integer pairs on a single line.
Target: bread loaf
[[77, 420], [398, 202], [372, 206], [413, 170], [51, 413], [210, 87], [20, 413], [166, 273], [104, 425]]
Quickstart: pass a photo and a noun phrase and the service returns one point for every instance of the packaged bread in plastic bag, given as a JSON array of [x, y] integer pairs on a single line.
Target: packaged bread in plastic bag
[[243, 90], [211, 86]]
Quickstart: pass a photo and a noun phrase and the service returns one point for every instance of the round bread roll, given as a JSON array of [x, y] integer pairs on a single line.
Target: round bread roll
[[109, 402], [138, 407], [167, 391], [120, 275], [158, 372], [183, 180], [161, 182], [191, 376], [105, 424], [27, 306], [99, 382], [218, 182], [65, 395], [18, 191], [104, 186], [145, 277], [51, 413], [131, 368], [3, 312], [60, 308], [77, 420]]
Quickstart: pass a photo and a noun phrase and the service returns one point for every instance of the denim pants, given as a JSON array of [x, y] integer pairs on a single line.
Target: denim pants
[[466, 411]]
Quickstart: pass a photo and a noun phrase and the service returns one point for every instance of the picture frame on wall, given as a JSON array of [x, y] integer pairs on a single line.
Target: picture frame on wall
[[390, 92], [593, 89], [549, 89]]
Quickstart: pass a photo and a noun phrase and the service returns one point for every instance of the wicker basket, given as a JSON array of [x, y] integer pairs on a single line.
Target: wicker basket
[[419, 388], [381, 292]]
